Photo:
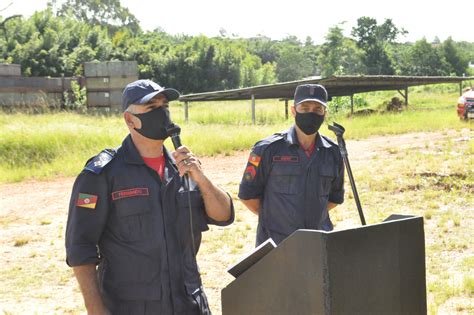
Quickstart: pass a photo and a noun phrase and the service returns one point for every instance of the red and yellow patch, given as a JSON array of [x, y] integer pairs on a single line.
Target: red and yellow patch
[[86, 201], [254, 159], [250, 173]]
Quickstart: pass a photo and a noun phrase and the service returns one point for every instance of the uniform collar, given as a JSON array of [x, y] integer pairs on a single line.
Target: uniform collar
[[130, 152], [321, 142], [292, 139], [132, 156]]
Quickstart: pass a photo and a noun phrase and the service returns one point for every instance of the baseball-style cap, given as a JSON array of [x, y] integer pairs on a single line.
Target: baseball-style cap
[[311, 92], [142, 91]]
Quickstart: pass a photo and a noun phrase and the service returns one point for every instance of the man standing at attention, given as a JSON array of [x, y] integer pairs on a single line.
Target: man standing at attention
[[129, 215], [292, 179]]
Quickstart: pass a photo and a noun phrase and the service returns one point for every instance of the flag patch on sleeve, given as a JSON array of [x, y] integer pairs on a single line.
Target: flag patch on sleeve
[[250, 173], [254, 159], [86, 201]]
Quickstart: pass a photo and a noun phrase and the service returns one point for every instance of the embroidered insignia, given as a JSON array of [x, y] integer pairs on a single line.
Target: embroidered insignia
[[130, 193], [96, 164], [250, 173], [286, 158], [86, 201], [311, 90], [254, 159]]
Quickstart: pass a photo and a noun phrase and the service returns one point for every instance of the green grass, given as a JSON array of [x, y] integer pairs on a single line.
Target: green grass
[[437, 182], [58, 144]]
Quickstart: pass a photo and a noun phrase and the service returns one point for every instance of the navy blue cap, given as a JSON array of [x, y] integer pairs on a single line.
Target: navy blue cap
[[142, 91], [311, 92]]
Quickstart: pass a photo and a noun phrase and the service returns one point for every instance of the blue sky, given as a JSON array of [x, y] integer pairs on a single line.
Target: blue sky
[[278, 19]]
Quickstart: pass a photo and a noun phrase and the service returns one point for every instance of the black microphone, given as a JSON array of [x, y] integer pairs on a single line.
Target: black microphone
[[173, 132]]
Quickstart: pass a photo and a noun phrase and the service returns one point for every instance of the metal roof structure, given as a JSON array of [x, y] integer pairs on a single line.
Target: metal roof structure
[[336, 86]]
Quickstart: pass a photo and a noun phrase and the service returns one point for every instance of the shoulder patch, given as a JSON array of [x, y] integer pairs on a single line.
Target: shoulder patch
[[97, 163]]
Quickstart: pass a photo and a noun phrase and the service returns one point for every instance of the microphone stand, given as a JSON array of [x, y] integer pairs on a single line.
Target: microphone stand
[[339, 131]]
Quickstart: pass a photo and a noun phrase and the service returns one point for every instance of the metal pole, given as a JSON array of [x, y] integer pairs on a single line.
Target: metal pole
[[460, 88], [406, 97], [352, 104], [186, 111], [286, 109], [339, 131], [253, 109]]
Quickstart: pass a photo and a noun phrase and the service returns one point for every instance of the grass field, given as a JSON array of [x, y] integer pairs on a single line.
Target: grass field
[[428, 174], [419, 161], [58, 144]]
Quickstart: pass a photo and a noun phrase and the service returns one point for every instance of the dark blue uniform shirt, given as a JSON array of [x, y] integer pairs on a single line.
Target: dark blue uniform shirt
[[294, 190], [123, 217]]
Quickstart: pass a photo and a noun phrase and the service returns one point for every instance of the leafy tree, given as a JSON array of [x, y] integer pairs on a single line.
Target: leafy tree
[[58, 40], [339, 55], [422, 59], [264, 47], [373, 39], [456, 59], [293, 64], [98, 12]]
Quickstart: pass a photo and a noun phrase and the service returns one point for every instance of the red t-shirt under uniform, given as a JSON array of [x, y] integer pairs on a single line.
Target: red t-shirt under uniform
[[310, 150], [156, 163]]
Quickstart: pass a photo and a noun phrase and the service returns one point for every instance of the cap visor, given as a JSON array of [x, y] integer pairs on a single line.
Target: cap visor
[[171, 95], [312, 100]]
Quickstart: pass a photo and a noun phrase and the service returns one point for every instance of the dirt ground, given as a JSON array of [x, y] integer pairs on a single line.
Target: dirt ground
[[36, 280]]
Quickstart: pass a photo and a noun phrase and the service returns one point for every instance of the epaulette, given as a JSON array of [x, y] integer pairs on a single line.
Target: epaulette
[[263, 144], [269, 140], [329, 140], [98, 162]]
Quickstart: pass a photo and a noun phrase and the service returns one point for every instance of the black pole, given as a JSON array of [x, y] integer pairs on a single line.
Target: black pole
[[174, 131], [339, 131]]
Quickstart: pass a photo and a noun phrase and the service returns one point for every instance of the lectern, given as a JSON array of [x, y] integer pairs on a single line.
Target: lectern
[[373, 269]]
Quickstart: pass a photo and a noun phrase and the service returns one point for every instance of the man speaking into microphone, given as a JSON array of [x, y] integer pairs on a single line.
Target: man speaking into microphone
[[136, 215]]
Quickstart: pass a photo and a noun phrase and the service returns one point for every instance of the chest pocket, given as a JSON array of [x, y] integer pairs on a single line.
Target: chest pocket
[[134, 218], [197, 205], [327, 173], [284, 178]]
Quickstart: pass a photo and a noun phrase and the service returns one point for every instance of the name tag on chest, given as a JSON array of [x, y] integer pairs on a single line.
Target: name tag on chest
[[286, 159]]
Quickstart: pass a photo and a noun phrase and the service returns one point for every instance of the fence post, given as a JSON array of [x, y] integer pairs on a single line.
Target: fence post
[[406, 97], [253, 109], [352, 104], [186, 111]]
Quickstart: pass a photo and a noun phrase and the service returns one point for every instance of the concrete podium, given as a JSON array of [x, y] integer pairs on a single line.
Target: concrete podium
[[374, 269]]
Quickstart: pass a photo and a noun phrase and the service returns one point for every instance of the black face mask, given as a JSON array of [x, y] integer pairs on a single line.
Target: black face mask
[[154, 123], [309, 123]]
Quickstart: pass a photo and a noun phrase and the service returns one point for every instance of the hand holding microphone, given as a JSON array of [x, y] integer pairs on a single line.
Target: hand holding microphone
[[186, 162]]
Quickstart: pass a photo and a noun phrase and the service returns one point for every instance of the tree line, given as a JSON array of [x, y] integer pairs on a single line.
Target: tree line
[[56, 42]]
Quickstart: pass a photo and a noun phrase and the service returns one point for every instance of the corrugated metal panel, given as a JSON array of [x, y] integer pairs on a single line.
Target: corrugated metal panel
[[34, 84], [111, 99], [131, 68], [30, 99], [111, 69], [90, 69], [336, 86], [116, 99], [9, 70], [108, 83], [95, 99]]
